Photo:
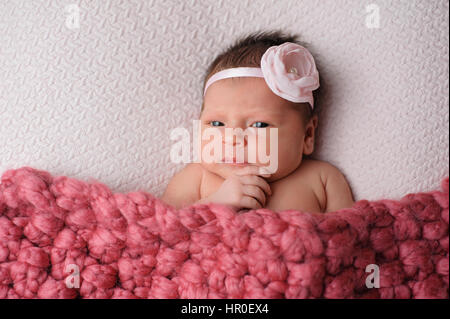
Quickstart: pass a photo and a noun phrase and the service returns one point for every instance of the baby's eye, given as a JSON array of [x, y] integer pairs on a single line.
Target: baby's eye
[[260, 124], [216, 123]]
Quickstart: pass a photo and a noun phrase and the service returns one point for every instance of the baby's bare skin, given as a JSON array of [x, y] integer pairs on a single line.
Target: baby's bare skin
[[302, 189], [315, 187], [297, 183]]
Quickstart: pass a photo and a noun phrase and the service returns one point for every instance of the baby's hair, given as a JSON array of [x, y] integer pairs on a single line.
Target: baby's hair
[[248, 51]]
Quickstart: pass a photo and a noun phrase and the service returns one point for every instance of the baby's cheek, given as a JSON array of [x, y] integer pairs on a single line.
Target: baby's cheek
[[211, 146], [263, 149]]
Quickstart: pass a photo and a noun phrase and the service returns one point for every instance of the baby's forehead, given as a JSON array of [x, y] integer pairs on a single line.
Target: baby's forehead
[[242, 109], [250, 105], [245, 96]]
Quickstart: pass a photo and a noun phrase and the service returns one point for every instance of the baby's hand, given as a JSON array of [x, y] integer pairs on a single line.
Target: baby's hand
[[244, 189]]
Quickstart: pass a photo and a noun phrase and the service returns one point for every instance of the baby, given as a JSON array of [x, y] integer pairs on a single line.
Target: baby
[[264, 82]]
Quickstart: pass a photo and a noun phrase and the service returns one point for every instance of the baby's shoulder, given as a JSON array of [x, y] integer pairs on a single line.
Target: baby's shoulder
[[191, 173], [193, 170], [316, 173], [176, 193], [320, 168], [315, 167]]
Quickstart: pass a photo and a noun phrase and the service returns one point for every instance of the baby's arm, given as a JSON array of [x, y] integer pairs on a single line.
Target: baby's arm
[[338, 192], [184, 187]]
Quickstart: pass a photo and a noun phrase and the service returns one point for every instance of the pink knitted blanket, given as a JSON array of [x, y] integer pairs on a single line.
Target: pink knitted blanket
[[64, 238]]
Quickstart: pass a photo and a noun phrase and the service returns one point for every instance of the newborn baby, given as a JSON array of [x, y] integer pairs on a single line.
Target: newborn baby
[[262, 83]]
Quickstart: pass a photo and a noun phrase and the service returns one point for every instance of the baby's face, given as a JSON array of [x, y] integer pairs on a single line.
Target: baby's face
[[249, 102]]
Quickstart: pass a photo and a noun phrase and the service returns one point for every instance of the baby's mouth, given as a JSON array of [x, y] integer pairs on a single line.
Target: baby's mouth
[[233, 161]]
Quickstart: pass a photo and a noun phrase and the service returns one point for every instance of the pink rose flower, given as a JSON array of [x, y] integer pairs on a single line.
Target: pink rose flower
[[290, 72]]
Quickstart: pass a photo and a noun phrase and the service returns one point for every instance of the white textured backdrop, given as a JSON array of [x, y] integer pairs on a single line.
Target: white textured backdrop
[[100, 100]]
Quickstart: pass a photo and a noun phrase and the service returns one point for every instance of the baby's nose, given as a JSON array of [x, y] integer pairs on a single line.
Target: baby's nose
[[235, 137]]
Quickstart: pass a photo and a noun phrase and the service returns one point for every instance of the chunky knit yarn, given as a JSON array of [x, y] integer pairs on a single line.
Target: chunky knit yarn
[[136, 246]]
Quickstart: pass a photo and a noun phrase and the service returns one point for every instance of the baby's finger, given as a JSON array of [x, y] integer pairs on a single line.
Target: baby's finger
[[250, 202], [255, 192], [252, 169], [258, 181]]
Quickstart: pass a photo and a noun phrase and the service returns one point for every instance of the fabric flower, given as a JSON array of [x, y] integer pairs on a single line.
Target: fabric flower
[[290, 72]]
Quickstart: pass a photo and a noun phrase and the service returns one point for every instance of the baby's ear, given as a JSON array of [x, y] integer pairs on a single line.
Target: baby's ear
[[314, 120], [310, 134], [308, 145]]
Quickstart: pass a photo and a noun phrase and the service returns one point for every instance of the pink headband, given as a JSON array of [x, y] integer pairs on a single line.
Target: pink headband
[[288, 69]]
